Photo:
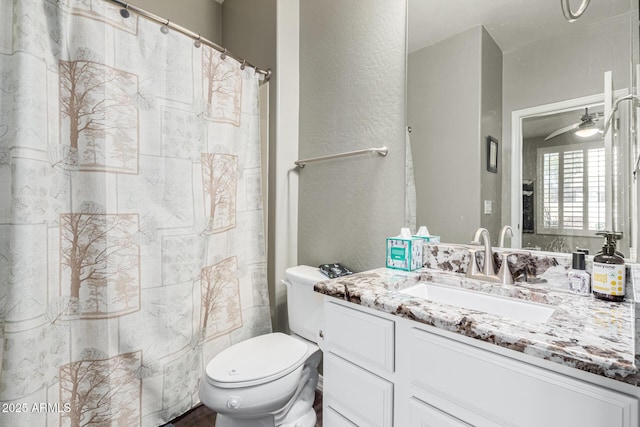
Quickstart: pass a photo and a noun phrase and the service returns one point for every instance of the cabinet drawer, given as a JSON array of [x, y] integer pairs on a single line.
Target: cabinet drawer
[[490, 389], [424, 415], [363, 398], [362, 338]]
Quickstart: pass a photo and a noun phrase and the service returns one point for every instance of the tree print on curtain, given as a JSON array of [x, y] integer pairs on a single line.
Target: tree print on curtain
[[99, 263], [99, 391], [219, 184], [97, 116], [220, 299], [222, 87], [130, 214]]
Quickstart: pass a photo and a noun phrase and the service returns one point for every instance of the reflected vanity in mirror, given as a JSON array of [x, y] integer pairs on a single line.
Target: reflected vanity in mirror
[[470, 69]]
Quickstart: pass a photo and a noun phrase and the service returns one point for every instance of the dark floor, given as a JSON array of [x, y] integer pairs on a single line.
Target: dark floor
[[202, 416]]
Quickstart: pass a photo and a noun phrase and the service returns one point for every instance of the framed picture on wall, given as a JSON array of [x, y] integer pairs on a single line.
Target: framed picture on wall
[[492, 154]]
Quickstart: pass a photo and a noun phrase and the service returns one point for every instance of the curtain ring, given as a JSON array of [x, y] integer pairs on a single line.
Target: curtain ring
[[125, 12], [569, 14], [244, 64], [165, 28], [223, 55], [197, 43]]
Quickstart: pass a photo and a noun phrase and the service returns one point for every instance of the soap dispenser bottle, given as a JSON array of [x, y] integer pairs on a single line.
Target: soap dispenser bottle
[[579, 279], [608, 270]]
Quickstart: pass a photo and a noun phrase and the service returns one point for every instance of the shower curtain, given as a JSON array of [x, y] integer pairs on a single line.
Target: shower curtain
[[131, 234]]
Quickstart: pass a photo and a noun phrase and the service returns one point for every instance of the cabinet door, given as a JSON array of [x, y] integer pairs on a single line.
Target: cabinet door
[[362, 397], [424, 415], [359, 337], [489, 389]]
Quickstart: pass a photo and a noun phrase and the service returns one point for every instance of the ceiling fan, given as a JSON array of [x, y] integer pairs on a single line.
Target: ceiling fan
[[587, 126]]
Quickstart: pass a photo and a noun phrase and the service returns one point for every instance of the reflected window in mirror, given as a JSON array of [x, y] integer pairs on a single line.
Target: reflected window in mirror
[[564, 179], [571, 189]]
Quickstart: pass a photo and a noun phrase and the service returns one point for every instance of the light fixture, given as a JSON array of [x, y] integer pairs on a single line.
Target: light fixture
[[586, 129]]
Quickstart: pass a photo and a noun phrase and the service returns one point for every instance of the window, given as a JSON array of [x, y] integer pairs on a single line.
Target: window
[[571, 189]]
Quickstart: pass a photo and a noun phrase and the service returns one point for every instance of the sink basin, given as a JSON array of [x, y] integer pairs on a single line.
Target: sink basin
[[473, 300]]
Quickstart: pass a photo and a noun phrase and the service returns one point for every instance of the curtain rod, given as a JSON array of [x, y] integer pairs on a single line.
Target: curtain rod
[[188, 33]]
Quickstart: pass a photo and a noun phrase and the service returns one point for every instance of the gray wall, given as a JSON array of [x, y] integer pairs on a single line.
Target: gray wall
[[249, 30], [444, 101], [491, 124], [559, 69], [352, 91], [203, 17]]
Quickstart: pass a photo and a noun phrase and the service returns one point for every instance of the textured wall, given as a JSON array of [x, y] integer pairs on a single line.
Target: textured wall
[[200, 16], [443, 99], [352, 96]]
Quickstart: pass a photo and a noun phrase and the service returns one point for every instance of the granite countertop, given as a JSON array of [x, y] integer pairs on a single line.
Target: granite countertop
[[584, 333]]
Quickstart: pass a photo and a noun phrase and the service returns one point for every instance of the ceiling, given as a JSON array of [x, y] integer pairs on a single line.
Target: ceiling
[[542, 126], [511, 23]]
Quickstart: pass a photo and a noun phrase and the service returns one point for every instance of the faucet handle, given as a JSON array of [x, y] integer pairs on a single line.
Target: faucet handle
[[505, 272], [472, 267]]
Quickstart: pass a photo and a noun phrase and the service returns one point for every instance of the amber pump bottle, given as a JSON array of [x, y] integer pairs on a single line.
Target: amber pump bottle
[[608, 276]]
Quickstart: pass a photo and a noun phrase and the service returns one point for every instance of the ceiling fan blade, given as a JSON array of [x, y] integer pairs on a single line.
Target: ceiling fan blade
[[562, 130]]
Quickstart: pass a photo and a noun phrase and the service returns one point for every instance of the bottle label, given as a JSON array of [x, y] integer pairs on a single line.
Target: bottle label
[[608, 278], [579, 282]]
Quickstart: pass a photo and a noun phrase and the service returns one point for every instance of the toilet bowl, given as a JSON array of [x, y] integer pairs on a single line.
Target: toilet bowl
[[270, 380], [252, 382]]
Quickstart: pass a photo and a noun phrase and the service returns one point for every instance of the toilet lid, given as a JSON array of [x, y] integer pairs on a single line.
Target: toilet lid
[[256, 360]]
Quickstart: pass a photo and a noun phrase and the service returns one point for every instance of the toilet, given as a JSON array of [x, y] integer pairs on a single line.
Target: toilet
[[270, 380]]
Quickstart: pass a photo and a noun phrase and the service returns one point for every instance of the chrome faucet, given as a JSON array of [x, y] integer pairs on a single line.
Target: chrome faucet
[[488, 270], [506, 231]]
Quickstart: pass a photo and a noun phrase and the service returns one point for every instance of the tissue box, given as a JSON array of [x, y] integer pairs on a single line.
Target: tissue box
[[404, 254], [428, 239]]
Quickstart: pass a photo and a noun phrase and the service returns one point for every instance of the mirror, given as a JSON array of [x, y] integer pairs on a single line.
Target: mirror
[[470, 67], [565, 175]]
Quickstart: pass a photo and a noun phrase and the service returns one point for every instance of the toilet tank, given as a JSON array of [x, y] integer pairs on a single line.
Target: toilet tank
[[304, 306]]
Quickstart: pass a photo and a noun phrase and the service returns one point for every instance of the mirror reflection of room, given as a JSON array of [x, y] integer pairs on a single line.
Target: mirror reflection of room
[[563, 180], [469, 72]]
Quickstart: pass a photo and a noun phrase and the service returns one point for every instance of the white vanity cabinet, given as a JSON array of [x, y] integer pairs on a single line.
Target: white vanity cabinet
[[481, 388], [383, 370], [358, 362]]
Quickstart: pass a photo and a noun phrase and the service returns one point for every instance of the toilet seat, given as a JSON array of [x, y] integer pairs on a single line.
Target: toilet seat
[[256, 361]]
